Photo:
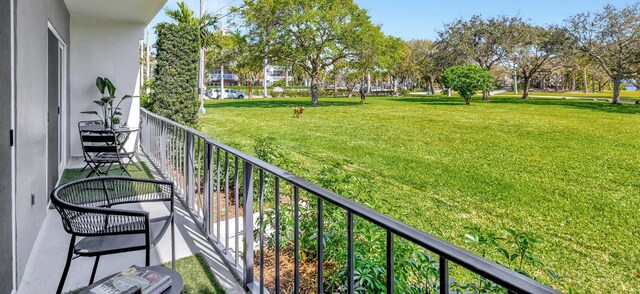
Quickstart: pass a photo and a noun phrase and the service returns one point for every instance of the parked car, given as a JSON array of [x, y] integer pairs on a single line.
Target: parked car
[[228, 94]]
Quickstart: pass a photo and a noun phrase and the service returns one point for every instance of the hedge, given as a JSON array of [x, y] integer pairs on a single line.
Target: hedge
[[176, 74]]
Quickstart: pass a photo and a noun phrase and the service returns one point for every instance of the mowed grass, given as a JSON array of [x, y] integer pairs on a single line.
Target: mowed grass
[[566, 171]]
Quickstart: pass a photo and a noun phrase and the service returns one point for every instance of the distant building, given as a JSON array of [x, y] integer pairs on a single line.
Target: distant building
[[274, 73], [215, 78]]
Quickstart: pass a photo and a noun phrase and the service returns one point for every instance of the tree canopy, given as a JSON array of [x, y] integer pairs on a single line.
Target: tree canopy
[[611, 37], [467, 80]]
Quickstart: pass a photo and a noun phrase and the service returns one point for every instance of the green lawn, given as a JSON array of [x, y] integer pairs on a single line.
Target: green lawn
[[564, 170], [631, 95]]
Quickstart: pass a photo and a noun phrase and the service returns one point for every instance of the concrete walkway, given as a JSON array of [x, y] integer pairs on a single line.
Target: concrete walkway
[[46, 263]]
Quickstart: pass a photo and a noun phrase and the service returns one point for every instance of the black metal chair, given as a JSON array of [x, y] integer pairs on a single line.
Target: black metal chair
[[86, 208], [100, 148], [88, 124]]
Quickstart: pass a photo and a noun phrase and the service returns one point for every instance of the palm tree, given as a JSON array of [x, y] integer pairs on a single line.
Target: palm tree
[[208, 23]]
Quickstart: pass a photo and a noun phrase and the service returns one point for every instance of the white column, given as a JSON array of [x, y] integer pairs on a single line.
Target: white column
[[148, 57], [222, 94], [201, 69]]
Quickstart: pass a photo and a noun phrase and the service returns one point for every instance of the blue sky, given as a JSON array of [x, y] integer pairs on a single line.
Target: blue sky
[[419, 19]]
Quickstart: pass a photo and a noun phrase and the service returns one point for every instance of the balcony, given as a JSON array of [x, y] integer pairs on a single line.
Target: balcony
[[223, 209]]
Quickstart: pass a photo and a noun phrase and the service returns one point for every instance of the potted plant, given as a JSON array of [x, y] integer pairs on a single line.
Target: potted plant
[[110, 113]]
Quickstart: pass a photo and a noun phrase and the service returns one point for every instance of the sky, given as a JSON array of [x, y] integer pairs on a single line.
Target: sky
[[420, 19]]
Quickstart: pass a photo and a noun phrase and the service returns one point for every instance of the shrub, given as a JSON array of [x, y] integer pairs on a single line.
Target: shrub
[[176, 72], [467, 80]]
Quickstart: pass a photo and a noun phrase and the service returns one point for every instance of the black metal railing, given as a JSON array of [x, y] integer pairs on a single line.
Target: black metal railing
[[207, 172]]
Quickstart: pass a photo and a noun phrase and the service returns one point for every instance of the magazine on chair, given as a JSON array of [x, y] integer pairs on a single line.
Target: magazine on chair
[[134, 280]]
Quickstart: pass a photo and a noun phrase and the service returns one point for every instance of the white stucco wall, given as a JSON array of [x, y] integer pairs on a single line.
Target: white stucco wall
[[107, 49], [31, 117]]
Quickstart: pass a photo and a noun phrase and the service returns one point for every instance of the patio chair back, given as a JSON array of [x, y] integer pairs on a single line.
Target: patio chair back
[[104, 142], [85, 207]]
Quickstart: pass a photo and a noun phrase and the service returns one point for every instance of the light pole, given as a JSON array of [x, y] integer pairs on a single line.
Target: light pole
[[201, 69]]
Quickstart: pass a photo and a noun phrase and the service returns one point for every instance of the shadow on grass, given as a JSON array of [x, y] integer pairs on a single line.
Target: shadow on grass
[[272, 103], [432, 100], [625, 108]]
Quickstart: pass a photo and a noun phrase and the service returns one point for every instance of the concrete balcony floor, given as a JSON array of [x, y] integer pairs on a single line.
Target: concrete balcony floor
[[48, 257]]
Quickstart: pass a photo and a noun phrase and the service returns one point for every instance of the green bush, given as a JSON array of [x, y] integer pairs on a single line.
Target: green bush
[[176, 73], [467, 80]]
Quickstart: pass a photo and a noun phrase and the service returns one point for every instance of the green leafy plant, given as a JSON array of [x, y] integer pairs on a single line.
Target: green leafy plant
[[173, 91], [467, 80], [110, 113]]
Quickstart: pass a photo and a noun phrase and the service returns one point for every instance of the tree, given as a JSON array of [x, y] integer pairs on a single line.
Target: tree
[[467, 80], [313, 35], [536, 46], [239, 55], [394, 59], [484, 42], [421, 62], [611, 37], [264, 22]]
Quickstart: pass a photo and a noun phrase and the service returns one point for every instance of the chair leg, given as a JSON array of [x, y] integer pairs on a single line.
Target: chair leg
[[109, 169], [84, 168], [148, 255], [173, 242], [95, 267], [124, 169], [135, 164], [67, 264]]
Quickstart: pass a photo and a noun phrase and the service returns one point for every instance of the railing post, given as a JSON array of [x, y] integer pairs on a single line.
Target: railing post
[[163, 148], [247, 207], [444, 276], [208, 187], [390, 263], [188, 169]]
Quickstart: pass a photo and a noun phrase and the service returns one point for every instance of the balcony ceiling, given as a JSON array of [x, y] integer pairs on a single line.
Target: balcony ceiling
[[137, 11]]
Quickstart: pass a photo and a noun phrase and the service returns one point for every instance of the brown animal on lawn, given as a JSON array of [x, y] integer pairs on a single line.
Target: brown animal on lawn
[[297, 111]]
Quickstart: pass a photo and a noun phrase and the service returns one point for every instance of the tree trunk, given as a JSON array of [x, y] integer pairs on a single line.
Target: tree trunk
[[485, 96], [335, 86], [573, 80], [448, 92], [525, 88], [584, 80], [617, 80], [286, 77], [543, 85], [467, 100], [250, 89], [431, 88], [395, 86], [314, 91], [557, 83]]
